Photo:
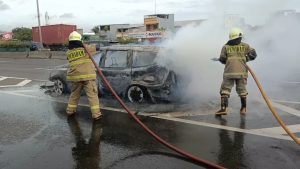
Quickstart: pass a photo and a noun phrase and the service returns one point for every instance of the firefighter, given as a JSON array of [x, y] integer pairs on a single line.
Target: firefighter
[[82, 75], [235, 54]]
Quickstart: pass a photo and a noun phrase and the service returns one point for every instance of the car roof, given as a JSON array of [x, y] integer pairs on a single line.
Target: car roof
[[133, 47]]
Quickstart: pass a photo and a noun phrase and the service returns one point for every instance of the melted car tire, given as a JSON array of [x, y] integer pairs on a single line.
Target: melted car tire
[[59, 86], [136, 94]]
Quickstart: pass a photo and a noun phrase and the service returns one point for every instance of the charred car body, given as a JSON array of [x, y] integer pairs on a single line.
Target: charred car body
[[132, 72]]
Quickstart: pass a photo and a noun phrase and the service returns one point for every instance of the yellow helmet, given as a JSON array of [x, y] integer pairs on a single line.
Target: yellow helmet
[[235, 33], [75, 36]]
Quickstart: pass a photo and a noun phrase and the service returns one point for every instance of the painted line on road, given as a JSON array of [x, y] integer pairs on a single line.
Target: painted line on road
[[8, 77], [23, 83], [204, 124], [279, 130], [3, 78], [291, 82], [287, 109], [25, 91], [40, 80], [48, 69], [284, 101], [183, 114], [276, 104], [254, 132]]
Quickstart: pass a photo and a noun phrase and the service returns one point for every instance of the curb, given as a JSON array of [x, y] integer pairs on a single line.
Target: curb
[[35, 55]]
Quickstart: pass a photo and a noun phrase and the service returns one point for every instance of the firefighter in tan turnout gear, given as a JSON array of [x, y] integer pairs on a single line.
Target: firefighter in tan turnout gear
[[82, 75], [235, 54]]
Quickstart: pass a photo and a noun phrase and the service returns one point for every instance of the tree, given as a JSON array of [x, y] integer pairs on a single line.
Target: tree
[[22, 33], [96, 29]]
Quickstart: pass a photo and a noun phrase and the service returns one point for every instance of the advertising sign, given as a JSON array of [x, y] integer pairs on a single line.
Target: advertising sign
[[7, 36], [151, 21]]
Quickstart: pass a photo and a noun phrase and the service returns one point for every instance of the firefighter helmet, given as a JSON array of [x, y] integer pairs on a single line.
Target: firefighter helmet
[[75, 36], [235, 33]]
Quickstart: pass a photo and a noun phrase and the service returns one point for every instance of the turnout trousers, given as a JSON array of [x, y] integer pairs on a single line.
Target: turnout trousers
[[228, 83], [91, 91]]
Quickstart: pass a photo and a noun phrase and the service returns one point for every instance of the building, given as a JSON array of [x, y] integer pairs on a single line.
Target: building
[[155, 28], [163, 22], [109, 32]]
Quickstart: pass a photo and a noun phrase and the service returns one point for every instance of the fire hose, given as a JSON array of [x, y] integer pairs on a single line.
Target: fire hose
[[149, 131], [269, 104], [272, 109]]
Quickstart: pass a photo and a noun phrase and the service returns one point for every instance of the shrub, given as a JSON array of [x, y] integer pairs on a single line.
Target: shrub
[[127, 40], [14, 44]]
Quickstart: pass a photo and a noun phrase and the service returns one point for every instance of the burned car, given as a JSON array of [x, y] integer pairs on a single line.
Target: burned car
[[133, 73]]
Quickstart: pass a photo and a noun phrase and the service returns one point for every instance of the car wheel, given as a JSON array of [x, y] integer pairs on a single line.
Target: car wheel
[[59, 86], [136, 94]]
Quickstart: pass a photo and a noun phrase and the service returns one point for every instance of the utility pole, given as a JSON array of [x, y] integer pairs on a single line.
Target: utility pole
[[155, 7], [39, 21]]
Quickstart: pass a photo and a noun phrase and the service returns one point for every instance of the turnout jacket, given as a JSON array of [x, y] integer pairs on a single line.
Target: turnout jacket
[[235, 57], [81, 67]]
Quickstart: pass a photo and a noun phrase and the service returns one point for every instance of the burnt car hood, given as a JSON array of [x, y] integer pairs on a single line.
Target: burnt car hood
[[150, 76]]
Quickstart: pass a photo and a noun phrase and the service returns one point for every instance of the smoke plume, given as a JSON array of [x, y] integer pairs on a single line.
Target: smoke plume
[[190, 50]]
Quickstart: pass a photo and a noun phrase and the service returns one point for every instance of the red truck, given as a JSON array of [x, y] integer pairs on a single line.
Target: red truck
[[54, 37]]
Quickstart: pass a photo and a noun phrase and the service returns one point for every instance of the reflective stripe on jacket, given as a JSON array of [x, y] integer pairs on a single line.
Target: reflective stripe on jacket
[[236, 58], [81, 67]]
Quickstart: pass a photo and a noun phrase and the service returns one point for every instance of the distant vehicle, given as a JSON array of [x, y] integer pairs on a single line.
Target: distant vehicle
[[54, 37], [34, 46], [132, 72]]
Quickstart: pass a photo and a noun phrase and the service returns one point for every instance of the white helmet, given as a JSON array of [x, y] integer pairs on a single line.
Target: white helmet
[[235, 33], [75, 36]]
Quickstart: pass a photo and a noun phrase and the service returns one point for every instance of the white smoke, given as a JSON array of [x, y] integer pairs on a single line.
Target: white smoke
[[189, 54], [190, 51]]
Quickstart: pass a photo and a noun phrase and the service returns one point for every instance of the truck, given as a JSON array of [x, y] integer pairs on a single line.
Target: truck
[[54, 37]]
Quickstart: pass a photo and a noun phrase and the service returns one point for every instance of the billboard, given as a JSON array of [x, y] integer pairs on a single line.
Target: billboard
[[151, 21], [7, 36]]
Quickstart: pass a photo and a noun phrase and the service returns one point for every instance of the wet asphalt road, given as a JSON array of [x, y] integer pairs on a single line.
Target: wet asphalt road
[[35, 132]]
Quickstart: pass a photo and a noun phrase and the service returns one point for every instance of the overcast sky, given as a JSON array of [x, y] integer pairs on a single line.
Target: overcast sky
[[88, 13]]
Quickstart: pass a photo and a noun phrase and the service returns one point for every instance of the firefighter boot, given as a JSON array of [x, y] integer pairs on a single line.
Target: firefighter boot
[[224, 105], [243, 105]]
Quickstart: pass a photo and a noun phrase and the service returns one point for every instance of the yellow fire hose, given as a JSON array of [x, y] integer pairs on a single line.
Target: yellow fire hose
[[272, 109]]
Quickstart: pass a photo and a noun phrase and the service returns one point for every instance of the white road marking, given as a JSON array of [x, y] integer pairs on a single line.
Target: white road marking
[[276, 104], [8, 77], [40, 80], [3, 78], [292, 82], [258, 132], [279, 130], [178, 114], [23, 83], [48, 69], [254, 132], [25, 91], [284, 101], [287, 109]]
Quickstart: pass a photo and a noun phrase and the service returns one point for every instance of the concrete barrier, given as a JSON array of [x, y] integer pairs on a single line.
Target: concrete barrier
[[58, 55], [35, 55], [14, 55]]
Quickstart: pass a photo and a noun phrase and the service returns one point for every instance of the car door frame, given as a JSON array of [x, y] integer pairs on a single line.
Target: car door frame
[[120, 78]]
